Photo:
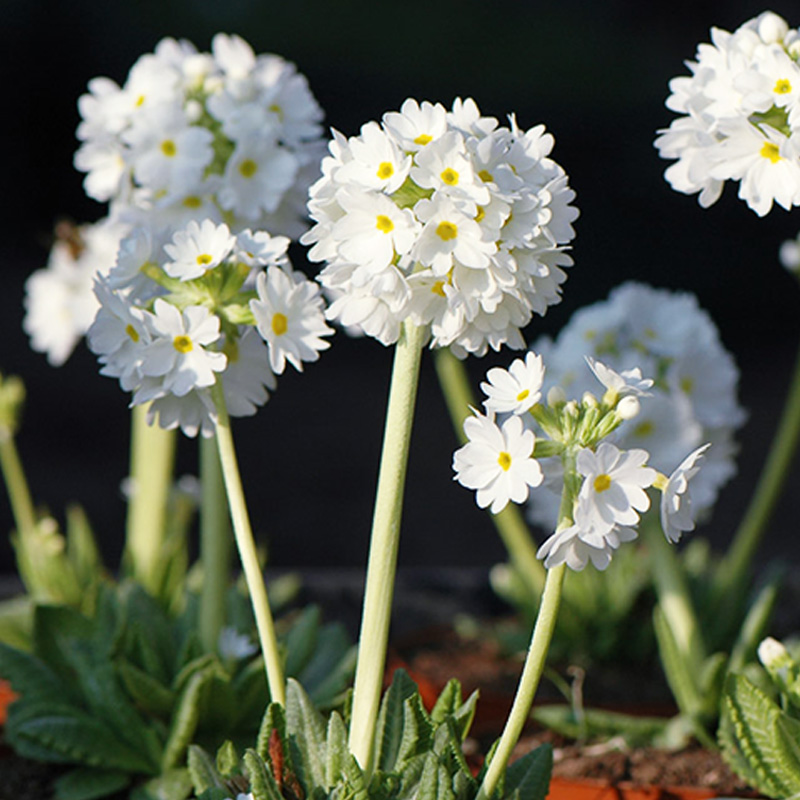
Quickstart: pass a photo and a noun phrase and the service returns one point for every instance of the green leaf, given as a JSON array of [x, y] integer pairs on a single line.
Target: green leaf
[[330, 668], [301, 640], [172, 785], [83, 553], [355, 780], [202, 770], [530, 775], [87, 784], [307, 733], [755, 625], [147, 692], [465, 715], [389, 726], [448, 702], [262, 782], [676, 667], [762, 736], [336, 750], [418, 730], [227, 758], [32, 678]]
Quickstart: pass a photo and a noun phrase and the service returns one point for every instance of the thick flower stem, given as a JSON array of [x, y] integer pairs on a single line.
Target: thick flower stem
[[18, 492], [509, 522], [152, 461], [735, 566], [379, 589], [528, 682], [246, 545], [215, 545]]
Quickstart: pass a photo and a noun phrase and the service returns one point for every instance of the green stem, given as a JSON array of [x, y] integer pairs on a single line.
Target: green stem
[[528, 682], [246, 545], [384, 541], [215, 546], [735, 566], [18, 492], [151, 467], [510, 523], [674, 597]]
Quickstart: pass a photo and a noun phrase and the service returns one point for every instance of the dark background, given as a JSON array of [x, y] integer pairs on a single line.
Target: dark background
[[595, 73]]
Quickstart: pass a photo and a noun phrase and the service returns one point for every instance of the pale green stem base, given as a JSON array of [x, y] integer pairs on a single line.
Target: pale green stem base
[[509, 523], [735, 567], [151, 468], [379, 589], [528, 682], [246, 545], [18, 492], [215, 546]]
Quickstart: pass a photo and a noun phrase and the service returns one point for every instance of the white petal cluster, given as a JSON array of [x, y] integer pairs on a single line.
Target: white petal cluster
[[177, 316], [190, 135], [677, 513], [59, 302], [693, 400], [445, 219], [739, 117]]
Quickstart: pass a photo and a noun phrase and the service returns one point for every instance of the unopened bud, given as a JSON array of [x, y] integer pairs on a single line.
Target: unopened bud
[[589, 400], [771, 27], [773, 655], [628, 407], [556, 397]]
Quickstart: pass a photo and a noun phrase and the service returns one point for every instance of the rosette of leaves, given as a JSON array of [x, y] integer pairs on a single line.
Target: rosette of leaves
[[760, 729], [419, 755], [121, 695]]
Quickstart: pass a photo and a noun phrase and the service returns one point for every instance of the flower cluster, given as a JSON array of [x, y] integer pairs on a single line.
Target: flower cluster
[[225, 135], [740, 117], [444, 219], [694, 395], [603, 487], [177, 316]]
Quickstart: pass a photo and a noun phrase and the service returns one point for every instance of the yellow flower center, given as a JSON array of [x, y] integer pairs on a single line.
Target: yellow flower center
[[183, 344], [139, 101], [423, 139], [446, 231], [783, 86], [168, 148], [385, 170], [280, 324], [438, 288], [522, 395], [192, 201], [486, 176], [132, 332], [602, 482], [384, 224], [504, 460], [248, 168], [771, 151], [481, 214], [449, 176], [687, 384], [645, 428], [203, 259], [276, 109]]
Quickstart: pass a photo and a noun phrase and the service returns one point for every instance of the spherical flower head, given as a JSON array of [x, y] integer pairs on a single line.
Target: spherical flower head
[[612, 491], [290, 318], [497, 462], [198, 248], [516, 389], [676, 499], [576, 547], [177, 354]]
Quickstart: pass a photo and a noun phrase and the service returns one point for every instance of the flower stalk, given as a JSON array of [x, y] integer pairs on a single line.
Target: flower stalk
[[243, 534], [382, 564], [151, 468], [19, 494]]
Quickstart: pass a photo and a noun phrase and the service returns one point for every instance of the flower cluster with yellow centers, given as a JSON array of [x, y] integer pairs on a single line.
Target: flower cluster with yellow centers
[[445, 219], [740, 117], [177, 317], [692, 399], [226, 135], [602, 487]]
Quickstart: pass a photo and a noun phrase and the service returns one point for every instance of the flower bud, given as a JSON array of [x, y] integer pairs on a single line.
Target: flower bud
[[773, 655], [771, 27], [589, 400], [628, 407], [556, 397]]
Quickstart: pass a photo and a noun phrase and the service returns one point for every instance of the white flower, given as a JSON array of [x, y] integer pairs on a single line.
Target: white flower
[[197, 248], [235, 646], [629, 381], [612, 491], [290, 318], [177, 354], [676, 500], [497, 462], [516, 389], [575, 547]]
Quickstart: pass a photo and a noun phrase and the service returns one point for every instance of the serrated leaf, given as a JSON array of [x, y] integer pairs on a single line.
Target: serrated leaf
[[147, 692], [760, 734], [418, 730], [262, 783], [88, 784], [354, 776], [227, 758], [202, 770], [274, 720], [530, 775], [448, 702], [306, 730], [465, 715], [336, 750], [32, 678], [389, 726], [300, 641]]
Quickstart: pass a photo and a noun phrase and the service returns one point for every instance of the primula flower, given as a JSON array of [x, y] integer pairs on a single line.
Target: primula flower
[[516, 389], [497, 462], [628, 382], [576, 546], [197, 248], [676, 500], [612, 491], [475, 243]]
